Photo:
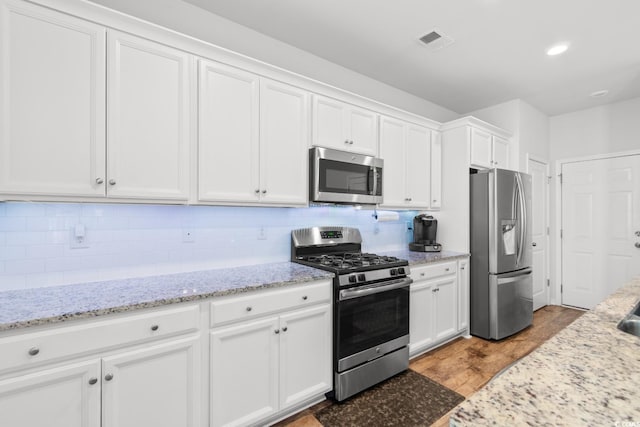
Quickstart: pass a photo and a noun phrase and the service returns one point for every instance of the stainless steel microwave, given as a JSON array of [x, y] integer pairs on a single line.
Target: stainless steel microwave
[[341, 177]]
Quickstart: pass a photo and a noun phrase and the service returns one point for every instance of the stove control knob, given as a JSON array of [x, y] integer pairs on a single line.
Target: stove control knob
[[361, 278], [352, 279], [393, 272], [401, 270]]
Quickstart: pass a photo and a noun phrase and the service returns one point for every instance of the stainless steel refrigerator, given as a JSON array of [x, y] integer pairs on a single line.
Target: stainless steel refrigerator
[[501, 286]]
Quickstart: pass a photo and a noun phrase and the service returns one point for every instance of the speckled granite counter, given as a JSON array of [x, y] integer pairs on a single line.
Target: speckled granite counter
[[587, 375], [30, 307], [425, 257]]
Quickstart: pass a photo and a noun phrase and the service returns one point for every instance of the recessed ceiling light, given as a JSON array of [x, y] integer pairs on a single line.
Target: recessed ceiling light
[[557, 49], [599, 93]]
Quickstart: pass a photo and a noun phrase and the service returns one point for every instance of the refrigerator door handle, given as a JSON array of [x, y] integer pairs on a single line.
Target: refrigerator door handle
[[522, 218], [515, 277]]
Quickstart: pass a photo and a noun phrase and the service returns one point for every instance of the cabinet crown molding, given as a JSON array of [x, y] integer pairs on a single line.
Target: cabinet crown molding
[[475, 122]]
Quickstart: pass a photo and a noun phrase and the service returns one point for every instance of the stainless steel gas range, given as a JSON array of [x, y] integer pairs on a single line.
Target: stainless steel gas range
[[371, 306]]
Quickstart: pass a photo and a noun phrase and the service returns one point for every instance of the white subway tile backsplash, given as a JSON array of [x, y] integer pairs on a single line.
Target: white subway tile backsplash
[[132, 240], [25, 266], [13, 223]]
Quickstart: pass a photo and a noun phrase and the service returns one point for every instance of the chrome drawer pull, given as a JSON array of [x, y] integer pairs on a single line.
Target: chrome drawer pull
[[304, 297], [154, 327], [249, 308], [108, 377], [33, 351], [92, 381]]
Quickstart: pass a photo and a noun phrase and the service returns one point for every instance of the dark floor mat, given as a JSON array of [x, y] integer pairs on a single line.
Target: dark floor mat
[[406, 400]]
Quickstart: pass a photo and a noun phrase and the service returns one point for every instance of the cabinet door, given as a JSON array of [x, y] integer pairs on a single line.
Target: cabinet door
[[500, 153], [58, 397], [418, 166], [445, 307], [244, 372], [284, 140], [392, 151], [305, 355], [463, 294], [481, 152], [329, 123], [363, 134], [421, 327], [436, 170], [157, 386], [52, 103], [148, 117], [228, 134]]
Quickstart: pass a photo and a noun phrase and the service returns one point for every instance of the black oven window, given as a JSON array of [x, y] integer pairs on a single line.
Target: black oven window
[[372, 320], [341, 177]]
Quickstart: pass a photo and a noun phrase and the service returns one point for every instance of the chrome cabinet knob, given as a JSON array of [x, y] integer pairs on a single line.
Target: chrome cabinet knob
[[304, 297], [638, 233], [284, 329], [112, 182], [446, 269], [534, 244], [108, 377], [435, 201], [637, 245], [99, 180], [257, 191], [92, 381], [346, 142], [422, 274], [277, 331], [154, 327], [249, 308], [33, 351], [264, 191]]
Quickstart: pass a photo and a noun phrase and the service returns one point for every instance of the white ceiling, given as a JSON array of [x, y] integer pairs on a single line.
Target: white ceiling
[[498, 54]]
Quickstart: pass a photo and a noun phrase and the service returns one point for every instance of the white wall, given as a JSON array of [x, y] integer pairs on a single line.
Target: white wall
[[193, 21], [606, 129]]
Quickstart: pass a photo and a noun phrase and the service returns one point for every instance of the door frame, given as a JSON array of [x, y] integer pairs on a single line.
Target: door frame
[[557, 245], [547, 214]]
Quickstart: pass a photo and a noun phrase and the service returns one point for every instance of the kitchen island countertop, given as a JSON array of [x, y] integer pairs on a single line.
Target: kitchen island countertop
[[587, 374], [37, 306]]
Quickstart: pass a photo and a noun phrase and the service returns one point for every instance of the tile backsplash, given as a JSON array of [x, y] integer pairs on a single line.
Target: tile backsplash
[[37, 239]]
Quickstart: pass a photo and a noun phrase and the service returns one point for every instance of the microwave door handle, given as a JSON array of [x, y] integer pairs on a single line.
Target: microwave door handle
[[373, 179]]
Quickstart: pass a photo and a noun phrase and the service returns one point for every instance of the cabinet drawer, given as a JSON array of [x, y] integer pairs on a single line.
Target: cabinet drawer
[[433, 270], [236, 308], [70, 341]]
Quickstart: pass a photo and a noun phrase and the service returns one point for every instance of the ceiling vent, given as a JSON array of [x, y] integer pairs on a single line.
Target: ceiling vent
[[436, 40]]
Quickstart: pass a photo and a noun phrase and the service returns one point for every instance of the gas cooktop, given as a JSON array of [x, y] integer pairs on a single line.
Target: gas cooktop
[[350, 261]]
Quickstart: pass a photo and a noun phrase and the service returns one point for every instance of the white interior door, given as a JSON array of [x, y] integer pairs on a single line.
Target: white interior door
[[539, 172], [600, 220]]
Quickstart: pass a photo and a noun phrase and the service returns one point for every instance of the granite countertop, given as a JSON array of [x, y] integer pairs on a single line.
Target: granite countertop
[[588, 374], [30, 307], [415, 258]]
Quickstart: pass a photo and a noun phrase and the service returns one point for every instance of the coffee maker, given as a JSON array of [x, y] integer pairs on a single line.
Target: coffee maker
[[425, 228]]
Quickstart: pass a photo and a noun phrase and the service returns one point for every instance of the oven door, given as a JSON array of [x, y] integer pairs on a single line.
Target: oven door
[[371, 321], [341, 177]]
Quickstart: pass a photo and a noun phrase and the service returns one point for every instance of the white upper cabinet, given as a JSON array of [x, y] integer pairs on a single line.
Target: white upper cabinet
[[148, 116], [228, 142], [253, 138], [418, 188], [344, 127], [488, 150], [436, 170], [52, 103], [284, 141], [500, 152], [407, 179]]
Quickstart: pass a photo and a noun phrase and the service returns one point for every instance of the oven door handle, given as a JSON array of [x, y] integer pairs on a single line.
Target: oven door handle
[[374, 289]]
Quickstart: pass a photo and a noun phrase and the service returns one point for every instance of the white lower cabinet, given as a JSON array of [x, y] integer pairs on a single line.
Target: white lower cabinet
[[463, 296], [156, 386], [434, 305], [57, 397], [262, 367]]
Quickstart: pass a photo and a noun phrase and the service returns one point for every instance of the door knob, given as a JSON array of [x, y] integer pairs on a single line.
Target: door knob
[[637, 245]]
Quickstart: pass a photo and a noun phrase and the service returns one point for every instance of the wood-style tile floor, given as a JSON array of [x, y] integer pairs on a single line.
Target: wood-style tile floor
[[466, 365]]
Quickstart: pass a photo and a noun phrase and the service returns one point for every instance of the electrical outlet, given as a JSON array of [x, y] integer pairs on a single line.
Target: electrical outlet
[[78, 237], [188, 235], [262, 233]]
